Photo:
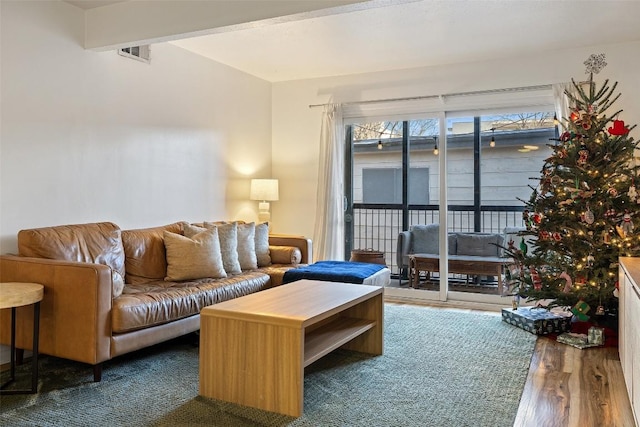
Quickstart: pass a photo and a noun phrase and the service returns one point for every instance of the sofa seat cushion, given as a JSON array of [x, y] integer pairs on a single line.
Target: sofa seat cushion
[[276, 272], [153, 303]]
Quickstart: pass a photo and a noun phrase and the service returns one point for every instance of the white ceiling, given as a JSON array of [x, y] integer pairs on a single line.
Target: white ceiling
[[415, 34], [384, 35]]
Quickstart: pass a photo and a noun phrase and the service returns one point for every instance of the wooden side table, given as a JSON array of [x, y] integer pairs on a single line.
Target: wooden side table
[[13, 295]]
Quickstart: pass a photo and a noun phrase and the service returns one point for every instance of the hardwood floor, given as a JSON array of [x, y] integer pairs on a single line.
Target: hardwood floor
[[569, 387]]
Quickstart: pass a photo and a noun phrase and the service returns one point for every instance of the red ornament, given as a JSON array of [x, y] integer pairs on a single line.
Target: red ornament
[[585, 122], [537, 218], [618, 128], [535, 278], [574, 116]]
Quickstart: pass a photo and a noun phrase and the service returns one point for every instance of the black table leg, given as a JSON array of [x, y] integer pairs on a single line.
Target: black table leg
[[34, 357]]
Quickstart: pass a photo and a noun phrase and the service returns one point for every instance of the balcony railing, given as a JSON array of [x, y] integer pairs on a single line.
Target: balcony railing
[[377, 226]]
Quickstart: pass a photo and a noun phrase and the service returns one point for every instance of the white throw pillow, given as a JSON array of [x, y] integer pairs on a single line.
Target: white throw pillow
[[193, 258], [228, 235], [262, 244], [247, 246], [191, 230]]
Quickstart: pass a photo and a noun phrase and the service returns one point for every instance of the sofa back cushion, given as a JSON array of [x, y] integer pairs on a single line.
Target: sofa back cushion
[[425, 239], [479, 244], [98, 243], [145, 254]]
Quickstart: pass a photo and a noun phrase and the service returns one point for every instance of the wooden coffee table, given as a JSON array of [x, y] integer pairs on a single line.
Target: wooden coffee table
[[253, 349]]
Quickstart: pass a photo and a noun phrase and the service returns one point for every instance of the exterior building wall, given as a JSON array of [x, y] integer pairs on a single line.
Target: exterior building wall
[[505, 173]]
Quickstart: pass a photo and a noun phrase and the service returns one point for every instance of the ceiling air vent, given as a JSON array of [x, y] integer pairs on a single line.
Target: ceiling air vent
[[140, 53]]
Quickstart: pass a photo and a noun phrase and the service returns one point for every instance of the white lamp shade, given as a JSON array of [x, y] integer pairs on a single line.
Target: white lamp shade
[[264, 189]]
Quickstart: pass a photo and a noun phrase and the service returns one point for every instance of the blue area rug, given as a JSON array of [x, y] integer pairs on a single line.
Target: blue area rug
[[439, 368]]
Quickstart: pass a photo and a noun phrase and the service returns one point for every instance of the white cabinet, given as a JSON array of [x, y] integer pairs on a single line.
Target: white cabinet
[[629, 329]]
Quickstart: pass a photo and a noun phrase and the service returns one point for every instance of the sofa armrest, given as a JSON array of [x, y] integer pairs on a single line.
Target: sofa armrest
[[404, 248], [75, 313], [301, 242]]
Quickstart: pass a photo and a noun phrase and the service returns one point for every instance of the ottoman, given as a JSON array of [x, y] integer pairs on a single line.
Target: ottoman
[[341, 271]]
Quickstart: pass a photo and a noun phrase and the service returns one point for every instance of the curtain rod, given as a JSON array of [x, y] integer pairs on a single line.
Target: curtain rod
[[415, 98]]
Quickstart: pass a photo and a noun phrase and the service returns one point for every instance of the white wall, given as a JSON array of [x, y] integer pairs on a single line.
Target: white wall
[[89, 136], [296, 127]]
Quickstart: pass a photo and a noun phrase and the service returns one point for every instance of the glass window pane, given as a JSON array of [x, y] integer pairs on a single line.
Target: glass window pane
[[460, 166], [517, 154], [377, 145], [382, 185]]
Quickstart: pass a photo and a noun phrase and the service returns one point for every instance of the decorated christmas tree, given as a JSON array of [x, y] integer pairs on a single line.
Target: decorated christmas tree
[[583, 211]]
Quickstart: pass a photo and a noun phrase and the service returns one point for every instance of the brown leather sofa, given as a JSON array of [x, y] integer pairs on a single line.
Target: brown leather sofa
[[82, 316]]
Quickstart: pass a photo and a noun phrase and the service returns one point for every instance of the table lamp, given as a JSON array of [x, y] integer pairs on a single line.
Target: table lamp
[[264, 190]]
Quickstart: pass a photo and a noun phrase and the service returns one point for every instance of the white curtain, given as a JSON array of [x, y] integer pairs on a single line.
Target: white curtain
[[329, 225], [562, 103]]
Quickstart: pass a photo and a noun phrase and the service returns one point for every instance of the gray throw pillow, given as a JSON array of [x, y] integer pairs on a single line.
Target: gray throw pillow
[[477, 244], [193, 258], [262, 244], [425, 239], [228, 235], [247, 246]]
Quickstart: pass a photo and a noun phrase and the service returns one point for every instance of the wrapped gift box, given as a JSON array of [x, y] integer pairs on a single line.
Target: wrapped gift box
[[539, 321], [580, 341]]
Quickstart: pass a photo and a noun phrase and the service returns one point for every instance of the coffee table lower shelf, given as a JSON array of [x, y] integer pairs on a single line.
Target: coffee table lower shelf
[[253, 349], [324, 340]]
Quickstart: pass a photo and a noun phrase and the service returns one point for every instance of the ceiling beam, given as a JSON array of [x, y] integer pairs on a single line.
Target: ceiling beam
[[140, 22]]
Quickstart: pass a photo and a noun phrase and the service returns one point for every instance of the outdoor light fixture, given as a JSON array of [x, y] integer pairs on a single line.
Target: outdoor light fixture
[[435, 146], [555, 120], [379, 144], [265, 190], [492, 143]]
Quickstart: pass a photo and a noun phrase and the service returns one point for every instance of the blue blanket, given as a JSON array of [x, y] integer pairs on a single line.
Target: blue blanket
[[333, 271]]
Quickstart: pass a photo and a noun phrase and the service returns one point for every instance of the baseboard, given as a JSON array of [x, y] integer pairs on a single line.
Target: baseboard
[[465, 305]]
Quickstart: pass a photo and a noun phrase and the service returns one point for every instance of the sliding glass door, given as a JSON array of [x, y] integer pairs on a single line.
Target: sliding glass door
[[394, 177], [392, 182]]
